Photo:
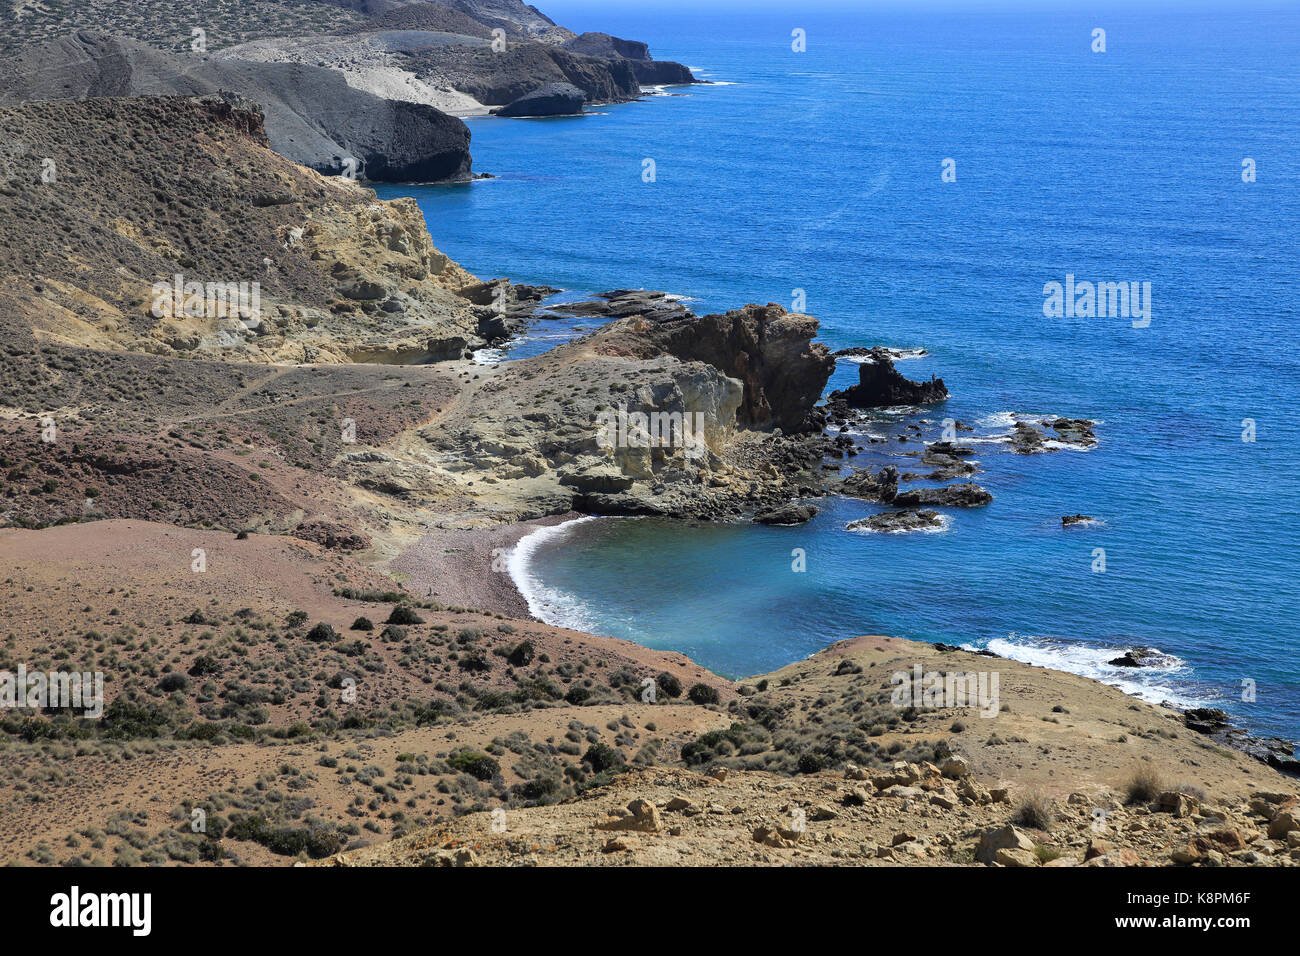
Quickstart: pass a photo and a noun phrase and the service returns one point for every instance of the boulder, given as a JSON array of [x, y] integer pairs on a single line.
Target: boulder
[[640, 815], [1284, 823], [1007, 837], [882, 486], [1016, 858], [954, 768], [786, 515]]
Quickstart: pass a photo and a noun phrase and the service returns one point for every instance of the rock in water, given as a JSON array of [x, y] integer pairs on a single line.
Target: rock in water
[[789, 514], [1137, 657], [553, 99], [881, 385], [965, 495], [883, 486], [897, 521]]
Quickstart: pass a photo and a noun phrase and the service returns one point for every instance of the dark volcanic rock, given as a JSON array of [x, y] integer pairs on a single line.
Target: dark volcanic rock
[[787, 514], [1213, 722], [1137, 657], [882, 486], [624, 303], [1068, 520], [1205, 720], [881, 385], [908, 520], [662, 73], [1027, 439], [965, 495], [553, 99], [648, 71], [312, 116], [602, 44]]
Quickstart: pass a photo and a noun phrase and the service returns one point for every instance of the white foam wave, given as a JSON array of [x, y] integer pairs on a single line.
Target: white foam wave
[[1162, 681], [550, 605]]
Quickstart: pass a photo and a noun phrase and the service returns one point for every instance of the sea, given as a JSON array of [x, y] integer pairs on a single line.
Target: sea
[[917, 178]]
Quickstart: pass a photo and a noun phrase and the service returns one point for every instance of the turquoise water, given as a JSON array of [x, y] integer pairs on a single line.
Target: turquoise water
[[821, 171]]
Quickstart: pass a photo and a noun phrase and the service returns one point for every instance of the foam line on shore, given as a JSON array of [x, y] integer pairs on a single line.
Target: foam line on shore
[[546, 604]]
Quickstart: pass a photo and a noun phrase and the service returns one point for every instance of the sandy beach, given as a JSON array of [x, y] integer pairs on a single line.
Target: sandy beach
[[466, 567]]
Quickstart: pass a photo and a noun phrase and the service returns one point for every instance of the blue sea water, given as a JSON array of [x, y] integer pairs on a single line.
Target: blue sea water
[[821, 171]]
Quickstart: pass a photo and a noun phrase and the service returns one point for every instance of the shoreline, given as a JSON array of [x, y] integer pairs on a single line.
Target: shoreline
[[468, 567], [461, 563]]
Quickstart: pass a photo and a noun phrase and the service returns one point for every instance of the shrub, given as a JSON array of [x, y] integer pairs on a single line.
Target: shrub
[[321, 633], [811, 763], [477, 765], [1145, 785], [669, 684], [402, 614], [173, 682], [577, 696], [602, 757], [363, 624], [702, 694], [523, 654], [1035, 811], [204, 665]]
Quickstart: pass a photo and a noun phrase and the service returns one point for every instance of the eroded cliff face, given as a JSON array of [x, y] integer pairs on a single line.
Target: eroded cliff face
[[675, 417], [225, 251], [769, 350]]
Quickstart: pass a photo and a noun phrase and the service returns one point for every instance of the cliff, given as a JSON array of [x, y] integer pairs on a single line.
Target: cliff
[[312, 115]]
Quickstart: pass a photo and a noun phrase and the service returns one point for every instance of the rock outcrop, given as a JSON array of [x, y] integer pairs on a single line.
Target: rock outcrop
[[553, 99], [908, 520], [648, 71], [306, 268], [965, 495], [880, 385], [770, 351]]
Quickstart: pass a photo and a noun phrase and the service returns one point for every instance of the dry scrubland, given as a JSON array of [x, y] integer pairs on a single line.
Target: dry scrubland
[[229, 692]]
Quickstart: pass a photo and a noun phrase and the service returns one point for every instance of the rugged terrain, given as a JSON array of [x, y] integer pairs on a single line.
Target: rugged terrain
[[278, 527], [364, 89], [310, 708]]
